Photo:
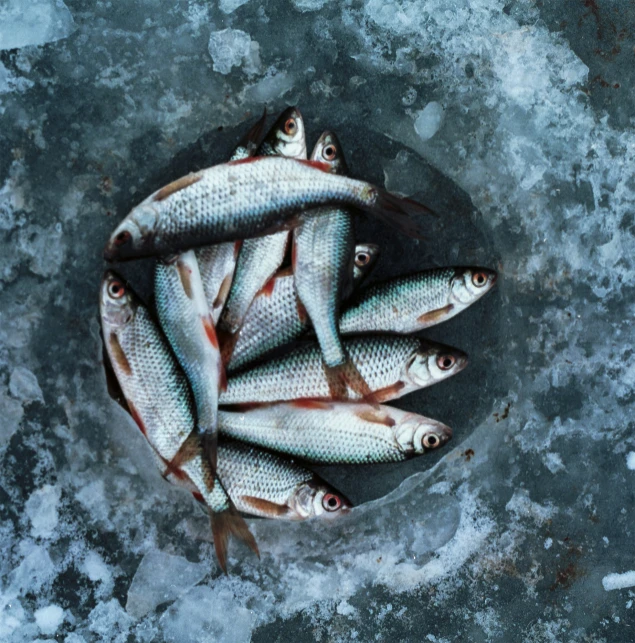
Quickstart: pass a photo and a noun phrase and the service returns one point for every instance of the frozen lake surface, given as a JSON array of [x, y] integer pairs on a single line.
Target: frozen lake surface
[[513, 120]]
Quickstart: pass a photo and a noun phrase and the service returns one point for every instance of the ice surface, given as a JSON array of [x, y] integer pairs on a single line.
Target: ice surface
[[618, 581], [512, 120], [33, 23], [630, 460], [49, 618]]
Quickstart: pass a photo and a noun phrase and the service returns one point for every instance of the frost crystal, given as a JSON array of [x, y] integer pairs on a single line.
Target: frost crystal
[[231, 48]]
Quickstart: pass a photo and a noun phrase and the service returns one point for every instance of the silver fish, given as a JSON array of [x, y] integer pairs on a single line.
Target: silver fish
[[412, 303], [161, 403], [336, 432], [276, 316], [249, 143], [392, 365], [243, 199], [259, 258], [187, 323]]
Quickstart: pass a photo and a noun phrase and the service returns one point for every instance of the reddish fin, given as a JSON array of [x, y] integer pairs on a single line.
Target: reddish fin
[[137, 418], [284, 272], [261, 506], [237, 246], [224, 524], [388, 393], [248, 159], [397, 212], [118, 356], [176, 186], [267, 289], [227, 343], [185, 275], [223, 291], [209, 444], [210, 331], [375, 416], [303, 316], [188, 450], [337, 386], [311, 404], [222, 378], [435, 316], [351, 378], [294, 257], [198, 497], [112, 383]]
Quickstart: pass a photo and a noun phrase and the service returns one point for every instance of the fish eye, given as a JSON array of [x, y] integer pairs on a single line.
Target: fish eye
[[329, 152], [116, 289], [122, 237], [331, 502], [290, 126], [479, 279], [446, 362], [431, 441], [362, 258]]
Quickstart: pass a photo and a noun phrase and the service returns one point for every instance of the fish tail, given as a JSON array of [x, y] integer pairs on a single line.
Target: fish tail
[[225, 523], [346, 376], [209, 443], [398, 211]]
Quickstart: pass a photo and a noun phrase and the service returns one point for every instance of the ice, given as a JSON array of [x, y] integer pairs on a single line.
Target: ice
[[618, 581], [49, 618], [161, 578], [12, 413], [429, 120], [630, 460], [24, 386], [41, 508], [33, 23], [229, 6], [309, 5], [231, 48]]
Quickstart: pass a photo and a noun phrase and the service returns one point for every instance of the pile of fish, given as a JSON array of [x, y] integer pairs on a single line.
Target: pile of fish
[[290, 365]]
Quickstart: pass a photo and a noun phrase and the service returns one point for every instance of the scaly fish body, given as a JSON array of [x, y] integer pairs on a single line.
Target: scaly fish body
[[243, 199], [412, 303], [160, 401], [276, 316], [391, 365], [336, 432], [260, 257], [187, 323], [323, 259]]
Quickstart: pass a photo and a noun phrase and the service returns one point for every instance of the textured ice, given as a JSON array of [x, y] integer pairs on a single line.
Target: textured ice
[[630, 460], [508, 535], [49, 618], [33, 23], [619, 581], [24, 386]]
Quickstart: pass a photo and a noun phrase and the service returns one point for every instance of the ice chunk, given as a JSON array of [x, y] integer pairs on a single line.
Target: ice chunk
[[24, 386], [159, 578], [49, 618], [12, 413], [309, 5], [429, 120], [619, 581], [33, 23], [35, 569], [44, 248], [97, 571], [41, 508], [109, 620], [630, 460], [228, 6], [272, 86], [231, 48], [208, 614]]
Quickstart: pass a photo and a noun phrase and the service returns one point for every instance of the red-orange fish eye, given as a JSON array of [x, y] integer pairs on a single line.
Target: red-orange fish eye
[[479, 279], [446, 362], [122, 237], [431, 441], [362, 258], [331, 502], [329, 152], [290, 126], [116, 289]]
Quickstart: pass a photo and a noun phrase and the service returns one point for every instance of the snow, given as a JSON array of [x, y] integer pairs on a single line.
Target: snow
[[618, 581], [429, 120], [229, 6], [630, 460], [49, 618], [12, 413], [231, 48], [41, 508], [24, 386]]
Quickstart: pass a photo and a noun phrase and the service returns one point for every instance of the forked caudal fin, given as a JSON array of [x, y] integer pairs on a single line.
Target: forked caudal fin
[[347, 376], [209, 444], [224, 524], [397, 211]]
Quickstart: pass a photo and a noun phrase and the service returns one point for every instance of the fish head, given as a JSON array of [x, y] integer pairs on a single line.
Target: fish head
[[287, 137], [134, 236], [118, 302], [366, 255], [432, 362], [417, 434], [329, 150], [469, 284], [316, 498]]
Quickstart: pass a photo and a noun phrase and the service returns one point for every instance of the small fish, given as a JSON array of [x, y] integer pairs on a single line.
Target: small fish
[[243, 199], [259, 258], [392, 365], [187, 323], [336, 432], [276, 316], [249, 143], [160, 402], [270, 486], [412, 303]]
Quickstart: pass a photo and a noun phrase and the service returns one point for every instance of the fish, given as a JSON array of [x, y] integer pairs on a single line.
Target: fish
[[414, 302], [160, 402], [323, 253], [249, 143], [276, 316], [260, 257], [392, 365], [247, 198], [189, 327], [335, 432]]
